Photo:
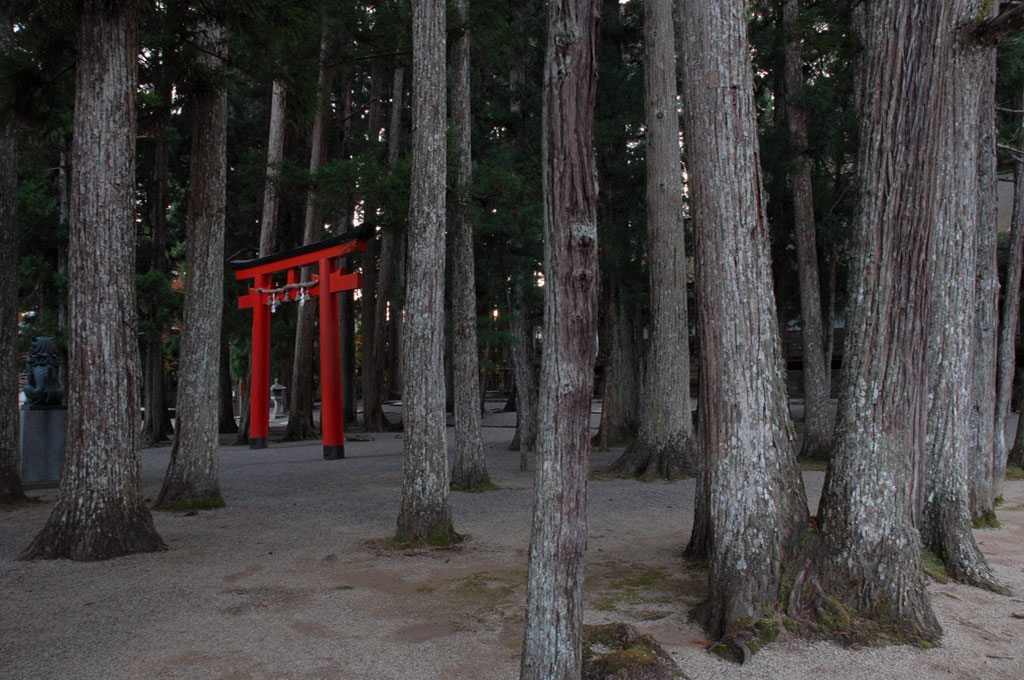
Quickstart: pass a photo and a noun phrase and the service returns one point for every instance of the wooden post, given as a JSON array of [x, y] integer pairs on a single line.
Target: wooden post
[[331, 414], [259, 392]]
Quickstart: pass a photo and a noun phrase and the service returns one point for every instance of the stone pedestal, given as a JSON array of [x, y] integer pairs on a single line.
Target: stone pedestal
[[43, 431]]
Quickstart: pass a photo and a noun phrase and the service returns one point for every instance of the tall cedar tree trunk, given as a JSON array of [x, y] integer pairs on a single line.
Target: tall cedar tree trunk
[[525, 438], [620, 407], [193, 477], [10, 450], [346, 314], [100, 512], [392, 247], [666, 444], [818, 422], [373, 395], [756, 502], [275, 154], [226, 409], [300, 406], [552, 642], [470, 470], [868, 506], [156, 424], [1011, 319], [425, 514], [385, 270], [983, 440], [945, 525], [396, 341]]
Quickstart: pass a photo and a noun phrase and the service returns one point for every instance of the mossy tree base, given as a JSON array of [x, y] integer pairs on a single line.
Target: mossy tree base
[[618, 651], [108, 529], [646, 459]]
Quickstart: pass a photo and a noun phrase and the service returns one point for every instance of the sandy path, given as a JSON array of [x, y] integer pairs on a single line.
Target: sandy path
[[289, 582]]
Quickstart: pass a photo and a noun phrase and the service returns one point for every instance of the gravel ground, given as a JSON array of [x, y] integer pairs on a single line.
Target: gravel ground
[[291, 580]]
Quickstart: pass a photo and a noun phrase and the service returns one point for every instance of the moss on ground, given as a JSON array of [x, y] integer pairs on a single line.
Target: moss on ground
[[210, 503]]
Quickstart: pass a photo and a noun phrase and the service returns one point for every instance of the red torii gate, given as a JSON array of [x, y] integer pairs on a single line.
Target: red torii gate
[[263, 298]]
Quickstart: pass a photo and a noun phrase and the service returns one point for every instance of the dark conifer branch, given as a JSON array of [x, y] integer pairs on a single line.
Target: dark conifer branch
[[1004, 25]]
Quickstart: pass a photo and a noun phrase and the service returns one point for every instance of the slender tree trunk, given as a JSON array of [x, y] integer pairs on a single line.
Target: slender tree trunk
[[396, 374], [1012, 298], [275, 154], [666, 444], [193, 474], [552, 642], [470, 470], [620, 409], [526, 384], [10, 451], [868, 507], [425, 514], [984, 442], [300, 406], [1007, 355], [818, 424], [373, 396], [756, 502], [156, 424], [100, 511], [226, 411]]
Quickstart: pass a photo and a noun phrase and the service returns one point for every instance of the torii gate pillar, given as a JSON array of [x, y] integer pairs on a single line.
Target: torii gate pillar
[[263, 298]]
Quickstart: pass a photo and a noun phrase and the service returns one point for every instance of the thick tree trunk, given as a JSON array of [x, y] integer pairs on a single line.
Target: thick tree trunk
[[946, 526], [818, 423], [275, 154], [10, 451], [373, 395], [100, 512], [470, 470], [425, 514], [869, 503], [552, 643], [522, 367], [983, 440], [300, 405], [193, 478], [756, 502], [666, 444]]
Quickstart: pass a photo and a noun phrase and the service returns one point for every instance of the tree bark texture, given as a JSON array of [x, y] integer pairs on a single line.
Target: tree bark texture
[[755, 497], [869, 503], [373, 389], [666, 443], [10, 450], [100, 512], [956, 312], [525, 381], [226, 409], [1008, 331], [275, 154], [156, 423], [300, 405], [620, 407], [984, 441], [554, 608], [425, 514], [818, 422], [470, 470], [193, 474]]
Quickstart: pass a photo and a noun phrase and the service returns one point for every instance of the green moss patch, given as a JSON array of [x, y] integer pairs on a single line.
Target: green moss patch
[[618, 650], [933, 566]]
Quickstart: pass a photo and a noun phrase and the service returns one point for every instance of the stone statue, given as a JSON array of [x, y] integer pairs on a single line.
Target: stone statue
[[43, 388]]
